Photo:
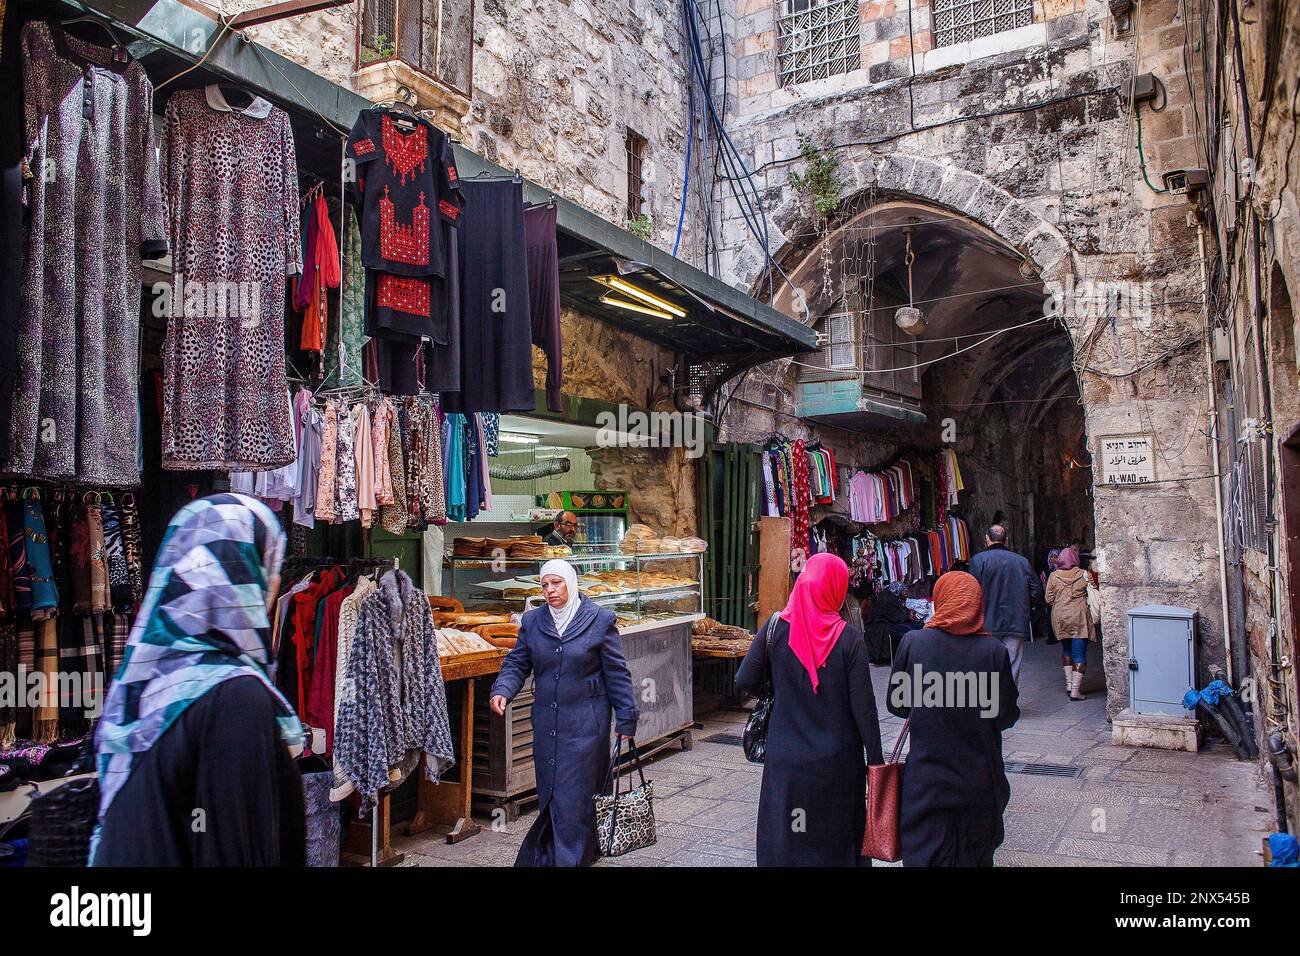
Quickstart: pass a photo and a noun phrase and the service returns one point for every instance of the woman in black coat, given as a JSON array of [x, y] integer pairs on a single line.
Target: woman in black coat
[[954, 684], [823, 728], [572, 649], [889, 617]]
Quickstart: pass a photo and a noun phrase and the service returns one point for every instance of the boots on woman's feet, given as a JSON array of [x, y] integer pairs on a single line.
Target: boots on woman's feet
[[1069, 677], [1076, 679]]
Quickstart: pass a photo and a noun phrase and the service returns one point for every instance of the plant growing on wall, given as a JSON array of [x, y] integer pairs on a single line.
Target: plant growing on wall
[[818, 179], [379, 48], [641, 227]]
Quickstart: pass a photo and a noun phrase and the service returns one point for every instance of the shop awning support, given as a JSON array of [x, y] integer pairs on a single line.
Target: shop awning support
[[278, 11]]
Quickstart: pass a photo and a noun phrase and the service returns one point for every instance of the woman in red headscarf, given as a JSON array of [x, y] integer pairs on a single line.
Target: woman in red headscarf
[[812, 807], [953, 682]]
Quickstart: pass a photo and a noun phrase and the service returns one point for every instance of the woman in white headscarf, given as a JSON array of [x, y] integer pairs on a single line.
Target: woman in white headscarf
[[580, 679]]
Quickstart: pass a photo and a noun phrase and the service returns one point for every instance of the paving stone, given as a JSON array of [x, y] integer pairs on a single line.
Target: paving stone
[[1154, 801], [1114, 852]]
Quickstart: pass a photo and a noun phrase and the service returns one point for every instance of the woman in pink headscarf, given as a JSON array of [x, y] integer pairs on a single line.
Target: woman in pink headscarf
[[812, 807]]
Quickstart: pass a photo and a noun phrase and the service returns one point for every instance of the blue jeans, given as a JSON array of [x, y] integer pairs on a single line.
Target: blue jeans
[[1074, 650]]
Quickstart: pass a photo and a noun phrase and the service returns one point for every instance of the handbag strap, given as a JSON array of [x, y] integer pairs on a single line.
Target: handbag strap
[[613, 765], [902, 738], [769, 690]]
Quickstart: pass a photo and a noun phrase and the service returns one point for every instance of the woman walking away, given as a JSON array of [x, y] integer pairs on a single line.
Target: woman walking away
[[1067, 593], [812, 806], [196, 745], [954, 683], [572, 649]]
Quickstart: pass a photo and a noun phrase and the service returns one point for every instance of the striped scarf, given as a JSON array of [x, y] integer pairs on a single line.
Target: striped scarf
[[204, 620]]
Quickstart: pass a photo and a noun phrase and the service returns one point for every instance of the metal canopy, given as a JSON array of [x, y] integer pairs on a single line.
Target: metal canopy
[[722, 322]]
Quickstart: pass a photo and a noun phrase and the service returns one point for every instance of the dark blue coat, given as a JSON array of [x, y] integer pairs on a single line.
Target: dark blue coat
[[1008, 584], [578, 681]]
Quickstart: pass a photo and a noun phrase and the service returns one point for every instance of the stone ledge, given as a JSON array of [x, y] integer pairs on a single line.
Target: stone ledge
[[379, 82], [1156, 731]]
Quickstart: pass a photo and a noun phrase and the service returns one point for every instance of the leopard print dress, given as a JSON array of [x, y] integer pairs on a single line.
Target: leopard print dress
[[232, 187]]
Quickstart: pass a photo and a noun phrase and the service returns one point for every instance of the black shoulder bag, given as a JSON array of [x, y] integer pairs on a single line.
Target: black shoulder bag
[[754, 738]]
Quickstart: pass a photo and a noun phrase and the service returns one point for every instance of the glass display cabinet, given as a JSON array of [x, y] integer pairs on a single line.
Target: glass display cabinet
[[655, 598]]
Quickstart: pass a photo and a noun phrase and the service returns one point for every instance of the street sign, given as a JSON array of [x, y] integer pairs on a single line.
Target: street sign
[[1127, 459]]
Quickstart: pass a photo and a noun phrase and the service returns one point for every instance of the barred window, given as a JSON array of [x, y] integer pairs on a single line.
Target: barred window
[[957, 21], [816, 39], [434, 36], [634, 143]]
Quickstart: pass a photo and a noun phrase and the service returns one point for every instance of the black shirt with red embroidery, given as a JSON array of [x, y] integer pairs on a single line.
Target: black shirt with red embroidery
[[405, 171]]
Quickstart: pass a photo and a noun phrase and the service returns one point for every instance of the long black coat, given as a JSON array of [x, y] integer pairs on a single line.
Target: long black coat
[[578, 680], [886, 609], [812, 806], [954, 784]]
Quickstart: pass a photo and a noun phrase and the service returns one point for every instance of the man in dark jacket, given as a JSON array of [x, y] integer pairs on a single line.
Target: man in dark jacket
[[1010, 586]]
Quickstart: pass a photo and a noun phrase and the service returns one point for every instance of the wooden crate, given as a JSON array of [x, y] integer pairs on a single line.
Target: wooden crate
[[503, 747]]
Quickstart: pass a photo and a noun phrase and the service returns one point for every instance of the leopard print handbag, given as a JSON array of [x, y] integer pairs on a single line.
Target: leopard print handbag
[[625, 821]]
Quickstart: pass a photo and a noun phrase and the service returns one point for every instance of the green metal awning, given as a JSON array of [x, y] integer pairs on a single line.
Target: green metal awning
[[722, 324]]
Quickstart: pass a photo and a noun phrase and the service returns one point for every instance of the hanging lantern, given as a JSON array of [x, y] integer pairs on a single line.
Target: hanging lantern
[[909, 318]]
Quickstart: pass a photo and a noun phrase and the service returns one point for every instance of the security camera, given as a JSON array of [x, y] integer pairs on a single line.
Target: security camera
[[1187, 182]]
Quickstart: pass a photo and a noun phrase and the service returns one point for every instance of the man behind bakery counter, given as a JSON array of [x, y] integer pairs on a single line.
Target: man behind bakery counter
[[564, 530]]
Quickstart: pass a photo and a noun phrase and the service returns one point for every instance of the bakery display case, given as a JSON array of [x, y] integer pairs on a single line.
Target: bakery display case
[[655, 595], [644, 590]]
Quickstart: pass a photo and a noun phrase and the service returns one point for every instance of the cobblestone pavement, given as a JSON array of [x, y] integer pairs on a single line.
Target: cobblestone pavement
[[1129, 807]]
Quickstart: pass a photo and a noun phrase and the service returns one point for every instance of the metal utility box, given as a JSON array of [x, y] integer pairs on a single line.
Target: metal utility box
[[1162, 658]]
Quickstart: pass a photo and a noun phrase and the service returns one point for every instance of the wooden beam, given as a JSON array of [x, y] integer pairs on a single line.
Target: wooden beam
[[278, 11]]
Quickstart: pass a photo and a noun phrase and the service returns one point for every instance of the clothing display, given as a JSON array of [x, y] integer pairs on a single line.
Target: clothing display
[[496, 325], [345, 338], [321, 272], [232, 191], [395, 707], [411, 203], [76, 338], [876, 562], [544, 295]]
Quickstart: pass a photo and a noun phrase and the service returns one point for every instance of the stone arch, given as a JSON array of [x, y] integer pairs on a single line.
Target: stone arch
[[905, 176]]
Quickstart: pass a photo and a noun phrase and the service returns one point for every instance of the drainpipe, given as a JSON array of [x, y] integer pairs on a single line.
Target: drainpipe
[[1213, 396]]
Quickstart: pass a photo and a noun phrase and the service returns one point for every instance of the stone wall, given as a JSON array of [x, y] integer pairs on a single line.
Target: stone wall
[[1263, 582], [1061, 182], [556, 85]]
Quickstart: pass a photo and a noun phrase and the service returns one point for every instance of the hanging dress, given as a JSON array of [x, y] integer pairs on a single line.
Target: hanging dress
[[94, 212], [232, 186]]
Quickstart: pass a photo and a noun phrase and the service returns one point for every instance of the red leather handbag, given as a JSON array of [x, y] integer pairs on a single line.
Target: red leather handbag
[[884, 797]]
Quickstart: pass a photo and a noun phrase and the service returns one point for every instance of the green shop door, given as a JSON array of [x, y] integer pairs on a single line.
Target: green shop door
[[407, 548]]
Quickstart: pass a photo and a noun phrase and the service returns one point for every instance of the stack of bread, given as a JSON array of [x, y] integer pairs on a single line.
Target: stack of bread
[[454, 643], [639, 539]]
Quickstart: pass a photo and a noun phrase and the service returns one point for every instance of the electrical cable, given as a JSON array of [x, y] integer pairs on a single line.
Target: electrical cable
[[686, 176], [1142, 159]]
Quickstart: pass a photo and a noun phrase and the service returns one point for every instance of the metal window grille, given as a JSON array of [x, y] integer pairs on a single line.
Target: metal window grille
[[635, 144], [816, 39], [957, 21], [434, 36]]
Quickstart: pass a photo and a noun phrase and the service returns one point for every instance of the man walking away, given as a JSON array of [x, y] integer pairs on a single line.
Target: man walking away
[[1009, 585]]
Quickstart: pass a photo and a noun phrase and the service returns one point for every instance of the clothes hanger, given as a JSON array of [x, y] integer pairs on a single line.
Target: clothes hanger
[[96, 21]]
